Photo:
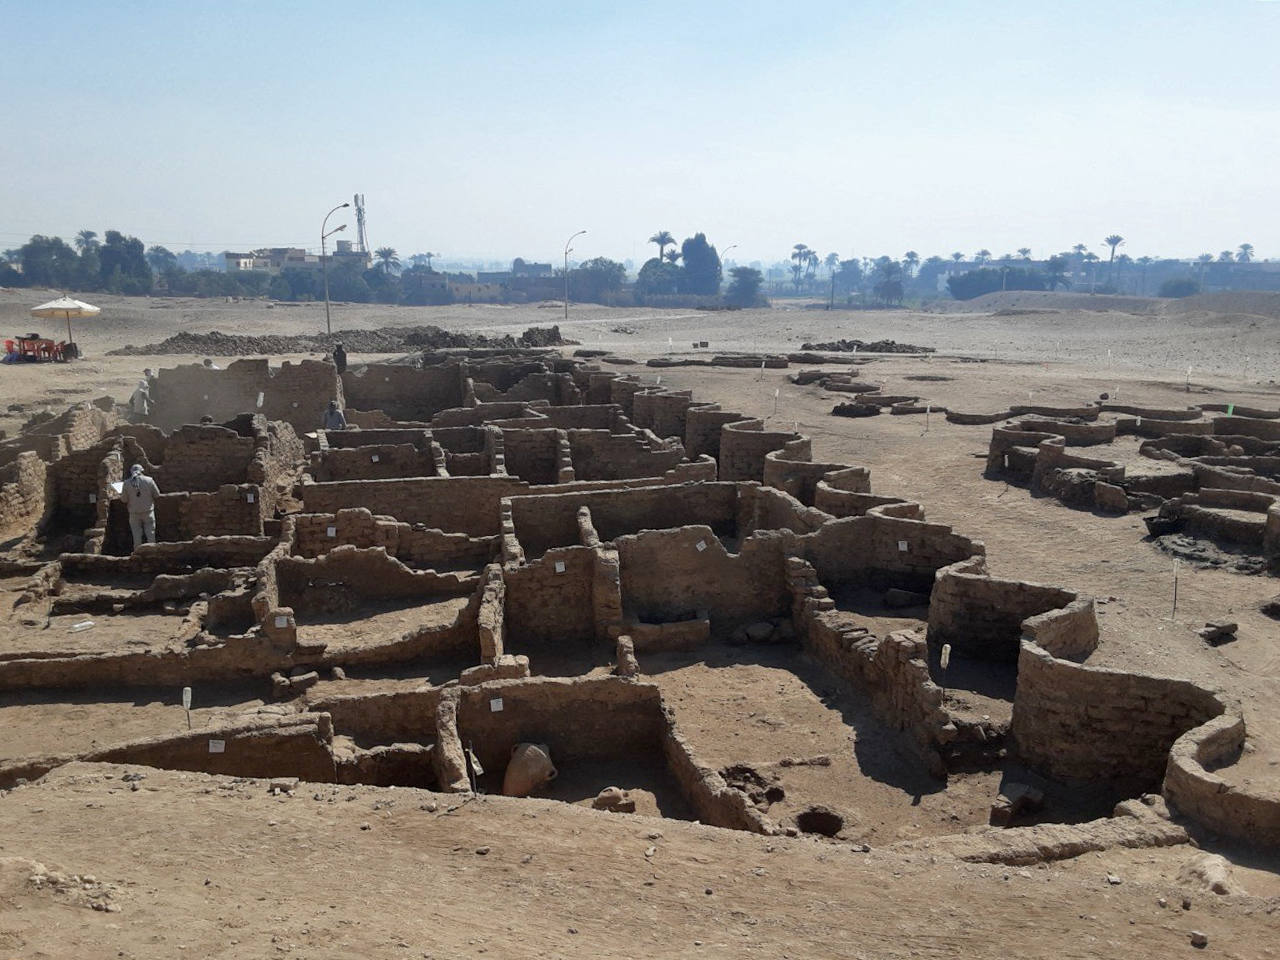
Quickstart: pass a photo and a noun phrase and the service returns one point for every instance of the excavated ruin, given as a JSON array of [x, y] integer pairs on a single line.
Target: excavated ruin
[[525, 551]]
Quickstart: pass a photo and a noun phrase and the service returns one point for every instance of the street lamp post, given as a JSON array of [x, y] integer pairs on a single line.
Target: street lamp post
[[324, 265], [568, 250]]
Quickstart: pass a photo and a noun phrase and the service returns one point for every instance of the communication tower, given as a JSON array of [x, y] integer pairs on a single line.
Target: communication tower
[[362, 241]]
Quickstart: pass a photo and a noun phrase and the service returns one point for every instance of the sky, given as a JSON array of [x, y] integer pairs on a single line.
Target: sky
[[497, 129]]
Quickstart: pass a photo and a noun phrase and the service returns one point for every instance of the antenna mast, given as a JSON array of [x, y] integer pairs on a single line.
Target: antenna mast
[[362, 240]]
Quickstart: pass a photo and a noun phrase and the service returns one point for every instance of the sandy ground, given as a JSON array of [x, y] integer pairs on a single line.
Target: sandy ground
[[298, 877]]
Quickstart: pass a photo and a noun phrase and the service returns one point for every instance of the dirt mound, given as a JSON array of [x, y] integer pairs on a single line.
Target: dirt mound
[[871, 346], [381, 340], [1027, 300], [1258, 303]]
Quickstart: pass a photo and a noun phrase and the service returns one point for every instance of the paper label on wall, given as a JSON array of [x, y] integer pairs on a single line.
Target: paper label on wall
[[206, 396], [281, 621], [186, 698], [217, 746], [93, 498], [332, 531], [902, 546], [700, 545], [559, 566], [495, 705], [260, 398], [249, 496], [374, 458]]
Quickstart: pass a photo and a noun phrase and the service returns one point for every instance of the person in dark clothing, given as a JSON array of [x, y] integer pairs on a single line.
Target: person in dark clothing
[[340, 358]]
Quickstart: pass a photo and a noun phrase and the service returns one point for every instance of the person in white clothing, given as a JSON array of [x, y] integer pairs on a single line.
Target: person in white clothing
[[140, 402], [140, 492]]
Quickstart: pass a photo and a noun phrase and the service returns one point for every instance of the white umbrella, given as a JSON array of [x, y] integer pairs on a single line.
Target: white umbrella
[[64, 308]]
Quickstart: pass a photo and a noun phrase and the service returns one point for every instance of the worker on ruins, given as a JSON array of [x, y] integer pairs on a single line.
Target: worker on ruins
[[140, 402], [340, 358], [333, 418], [210, 365], [140, 492]]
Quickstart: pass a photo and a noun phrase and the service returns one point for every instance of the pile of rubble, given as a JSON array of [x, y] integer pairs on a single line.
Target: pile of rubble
[[381, 340], [873, 346]]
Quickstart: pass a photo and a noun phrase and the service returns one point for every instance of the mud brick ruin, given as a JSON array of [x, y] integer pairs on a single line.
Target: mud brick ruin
[[1212, 472], [536, 535]]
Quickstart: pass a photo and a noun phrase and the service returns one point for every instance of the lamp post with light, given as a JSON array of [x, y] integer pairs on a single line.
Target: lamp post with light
[[324, 265], [568, 250]]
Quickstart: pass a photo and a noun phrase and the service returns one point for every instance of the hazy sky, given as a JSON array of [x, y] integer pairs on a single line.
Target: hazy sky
[[497, 129]]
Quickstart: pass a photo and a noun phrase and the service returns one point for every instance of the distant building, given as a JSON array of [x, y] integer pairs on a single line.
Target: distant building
[[273, 260]]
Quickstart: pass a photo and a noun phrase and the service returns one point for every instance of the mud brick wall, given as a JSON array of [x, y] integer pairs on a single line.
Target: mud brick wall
[[75, 487], [1247, 427], [981, 617], [22, 494], [203, 458], [1075, 722], [347, 439], [556, 388], [415, 546], [453, 504], [295, 393], [666, 577], [869, 549], [532, 455], [580, 720], [547, 607], [604, 416], [1232, 809], [798, 476], [152, 559], [713, 800], [550, 520], [480, 414], [366, 574], [225, 512], [402, 392], [764, 508], [1076, 434], [662, 411], [743, 447], [892, 672], [602, 455], [622, 391], [504, 373], [599, 386], [78, 428], [375, 462], [703, 426], [407, 716]]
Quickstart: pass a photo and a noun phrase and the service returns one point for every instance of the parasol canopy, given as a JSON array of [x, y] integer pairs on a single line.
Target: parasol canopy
[[64, 308]]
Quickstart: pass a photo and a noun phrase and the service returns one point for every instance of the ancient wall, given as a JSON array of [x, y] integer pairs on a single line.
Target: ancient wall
[[662, 411], [680, 574], [611, 720], [602, 455], [533, 455], [549, 602], [295, 393], [981, 617], [1076, 722], [744, 444], [764, 508], [22, 494], [884, 550], [363, 574], [1247, 427], [703, 426], [798, 476], [403, 392], [374, 462]]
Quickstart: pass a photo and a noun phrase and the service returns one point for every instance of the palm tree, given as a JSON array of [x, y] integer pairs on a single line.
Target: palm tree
[[1145, 262], [811, 262], [800, 257], [672, 255], [832, 262], [1204, 260], [86, 240], [1112, 241], [662, 238], [1246, 253], [1091, 259], [1024, 253], [982, 256], [1123, 262], [912, 260], [388, 262], [957, 257]]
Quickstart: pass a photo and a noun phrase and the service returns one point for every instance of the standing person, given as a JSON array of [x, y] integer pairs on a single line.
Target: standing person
[[140, 402], [340, 358], [333, 418], [140, 492]]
